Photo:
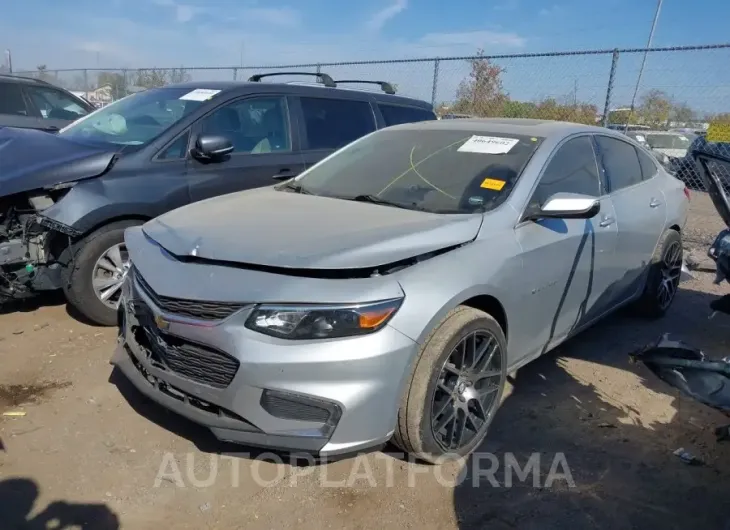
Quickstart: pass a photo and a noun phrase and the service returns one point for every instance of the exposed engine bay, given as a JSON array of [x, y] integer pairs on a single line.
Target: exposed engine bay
[[30, 244]]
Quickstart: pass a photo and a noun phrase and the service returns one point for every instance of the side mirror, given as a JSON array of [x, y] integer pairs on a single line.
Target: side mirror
[[210, 147], [567, 206]]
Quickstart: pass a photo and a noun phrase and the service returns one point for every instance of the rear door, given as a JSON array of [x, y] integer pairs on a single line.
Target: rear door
[[640, 209], [329, 123], [265, 151], [14, 108]]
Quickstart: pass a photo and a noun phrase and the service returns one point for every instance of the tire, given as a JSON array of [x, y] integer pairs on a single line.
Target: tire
[[652, 303], [414, 433], [78, 283]]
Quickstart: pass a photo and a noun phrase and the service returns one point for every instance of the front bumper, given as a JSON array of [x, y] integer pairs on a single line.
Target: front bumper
[[322, 397]]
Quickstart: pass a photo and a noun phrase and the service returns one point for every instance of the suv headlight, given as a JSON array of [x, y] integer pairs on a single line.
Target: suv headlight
[[307, 322]]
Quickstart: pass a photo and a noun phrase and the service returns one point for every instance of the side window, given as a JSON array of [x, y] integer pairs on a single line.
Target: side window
[[397, 114], [177, 149], [54, 104], [253, 125], [334, 123], [621, 162], [572, 169], [11, 100], [648, 167]]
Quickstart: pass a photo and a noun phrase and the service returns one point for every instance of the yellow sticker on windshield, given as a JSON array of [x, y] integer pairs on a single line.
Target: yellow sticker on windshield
[[718, 131], [493, 184]]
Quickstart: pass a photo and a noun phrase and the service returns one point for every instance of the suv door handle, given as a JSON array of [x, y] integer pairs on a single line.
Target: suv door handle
[[654, 203], [284, 174], [607, 221]]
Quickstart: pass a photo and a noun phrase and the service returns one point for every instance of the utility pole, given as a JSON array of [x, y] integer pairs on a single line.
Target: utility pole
[[643, 61]]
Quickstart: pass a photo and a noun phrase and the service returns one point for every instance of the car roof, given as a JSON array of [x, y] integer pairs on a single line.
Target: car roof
[[313, 89], [9, 78], [519, 126]]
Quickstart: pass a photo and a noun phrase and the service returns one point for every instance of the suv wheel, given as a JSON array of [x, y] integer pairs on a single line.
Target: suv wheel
[[97, 270], [455, 388]]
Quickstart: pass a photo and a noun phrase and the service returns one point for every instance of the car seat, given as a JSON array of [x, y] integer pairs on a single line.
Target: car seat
[[272, 123]]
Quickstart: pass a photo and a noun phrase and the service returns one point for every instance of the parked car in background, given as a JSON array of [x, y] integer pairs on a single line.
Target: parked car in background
[[66, 199], [35, 104], [388, 290], [623, 127], [667, 146]]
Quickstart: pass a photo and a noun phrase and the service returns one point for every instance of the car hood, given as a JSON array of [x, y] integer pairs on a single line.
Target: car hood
[[31, 159], [279, 229]]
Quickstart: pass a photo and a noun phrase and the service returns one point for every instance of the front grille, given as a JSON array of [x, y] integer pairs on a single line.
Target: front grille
[[188, 359], [195, 309], [292, 409]]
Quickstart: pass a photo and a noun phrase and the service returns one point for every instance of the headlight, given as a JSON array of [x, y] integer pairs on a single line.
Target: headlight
[[322, 322]]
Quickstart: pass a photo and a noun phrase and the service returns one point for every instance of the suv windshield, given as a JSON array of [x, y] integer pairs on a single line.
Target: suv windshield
[[667, 141], [439, 171], [134, 120]]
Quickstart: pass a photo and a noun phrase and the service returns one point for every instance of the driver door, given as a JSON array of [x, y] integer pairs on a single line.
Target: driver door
[[265, 152], [567, 263]]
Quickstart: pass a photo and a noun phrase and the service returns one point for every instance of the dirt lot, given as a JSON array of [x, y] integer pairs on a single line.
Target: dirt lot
[[89, 451]]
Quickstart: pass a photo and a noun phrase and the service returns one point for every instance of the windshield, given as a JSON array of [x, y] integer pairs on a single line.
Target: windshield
[[667, 141], [440, 171], [134, 120]]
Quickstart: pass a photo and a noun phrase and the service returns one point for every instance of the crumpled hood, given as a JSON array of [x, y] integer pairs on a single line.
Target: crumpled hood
[[31, 159], [273, 228]]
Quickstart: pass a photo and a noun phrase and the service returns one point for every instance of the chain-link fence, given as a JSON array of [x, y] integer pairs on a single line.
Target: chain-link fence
[[679, 88]]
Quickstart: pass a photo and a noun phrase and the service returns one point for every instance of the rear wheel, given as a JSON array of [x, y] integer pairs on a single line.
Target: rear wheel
[[662, 282], [97, 270], [455, 387]]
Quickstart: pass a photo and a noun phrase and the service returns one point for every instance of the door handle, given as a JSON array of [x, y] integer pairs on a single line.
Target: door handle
[[284, 174], [607, 221], [654, 203]]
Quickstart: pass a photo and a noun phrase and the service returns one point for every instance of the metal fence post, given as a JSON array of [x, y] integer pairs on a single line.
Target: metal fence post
[[609, 88], [434, 85]]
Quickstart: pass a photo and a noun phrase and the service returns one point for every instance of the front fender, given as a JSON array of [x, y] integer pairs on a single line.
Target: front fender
[[435, 287], [92, 203]]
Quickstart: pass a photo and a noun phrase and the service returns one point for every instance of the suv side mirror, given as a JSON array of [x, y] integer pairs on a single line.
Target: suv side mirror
[[567, 206], [212, 147]]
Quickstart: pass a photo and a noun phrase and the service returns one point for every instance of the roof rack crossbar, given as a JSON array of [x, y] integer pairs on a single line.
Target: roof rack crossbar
[[326, 80], [384, 85]]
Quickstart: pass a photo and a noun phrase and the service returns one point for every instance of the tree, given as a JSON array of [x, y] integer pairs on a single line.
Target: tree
[[179, 75], [42, 72], [682, 113], [655, 108], [620, 116], [150, 78], [481, 94], [116, 81]]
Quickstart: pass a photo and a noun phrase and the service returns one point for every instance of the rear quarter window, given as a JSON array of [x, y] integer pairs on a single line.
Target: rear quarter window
[[397, 114]]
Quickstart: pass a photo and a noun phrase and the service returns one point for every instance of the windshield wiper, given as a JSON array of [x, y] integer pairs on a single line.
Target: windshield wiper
[[293, 186], [374, 199]]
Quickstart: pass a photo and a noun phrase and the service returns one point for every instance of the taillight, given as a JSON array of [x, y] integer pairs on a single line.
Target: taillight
[[686, 193]]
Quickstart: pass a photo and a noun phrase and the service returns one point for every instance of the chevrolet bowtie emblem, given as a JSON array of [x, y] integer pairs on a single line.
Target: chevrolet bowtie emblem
[[162, 323]]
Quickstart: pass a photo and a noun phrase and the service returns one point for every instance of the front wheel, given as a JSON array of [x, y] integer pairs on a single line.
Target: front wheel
[[97, 270], [455, 388]]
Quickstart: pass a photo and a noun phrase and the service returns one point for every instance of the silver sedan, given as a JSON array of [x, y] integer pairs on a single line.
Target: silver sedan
[[387, 291]]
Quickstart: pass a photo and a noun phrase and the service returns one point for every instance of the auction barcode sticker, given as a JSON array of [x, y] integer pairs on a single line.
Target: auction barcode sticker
[[488, 145]]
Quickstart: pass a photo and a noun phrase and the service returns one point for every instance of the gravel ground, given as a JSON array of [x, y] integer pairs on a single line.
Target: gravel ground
[[89, 451]]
